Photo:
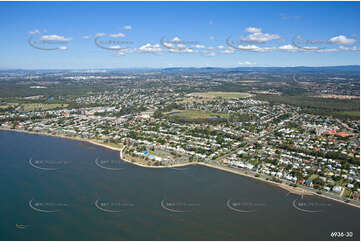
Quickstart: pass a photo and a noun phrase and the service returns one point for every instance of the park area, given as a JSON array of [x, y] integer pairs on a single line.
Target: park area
[[31, 107], [223, 95], [195, 114]]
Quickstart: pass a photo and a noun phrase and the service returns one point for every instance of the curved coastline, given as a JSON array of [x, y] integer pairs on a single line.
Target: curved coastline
[[294, 190]]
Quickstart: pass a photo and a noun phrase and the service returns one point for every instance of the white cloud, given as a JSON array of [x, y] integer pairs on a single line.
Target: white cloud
[[181, 46], [198, 46], [127, 27], [118, 35], [327, 50], [254, 48], [211, 37], [342, 40], [36, 31], [115, 47], [353, 48], [122, 52], [310, 48], [248, 47], [253, 30], [176, 39], [247, 63], [211, 54], [168, 45], [62, 47], [176, 45], [183, 50], [150, 48], [260, 37], [55, 37], [290, 48], [99, 34], [227, 51], [257, 36], [86, 37]]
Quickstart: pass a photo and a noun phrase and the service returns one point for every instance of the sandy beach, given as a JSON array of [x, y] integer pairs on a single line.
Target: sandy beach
[[294, 190]]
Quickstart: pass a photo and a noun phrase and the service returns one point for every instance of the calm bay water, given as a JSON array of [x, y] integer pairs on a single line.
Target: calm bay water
[[53, 189]]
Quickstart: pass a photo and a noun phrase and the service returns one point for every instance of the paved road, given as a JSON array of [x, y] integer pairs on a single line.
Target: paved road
[[343, 124], [258, 138], [284, 181]]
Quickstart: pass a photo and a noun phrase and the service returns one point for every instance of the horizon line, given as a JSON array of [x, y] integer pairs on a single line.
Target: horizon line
[[169, 67]]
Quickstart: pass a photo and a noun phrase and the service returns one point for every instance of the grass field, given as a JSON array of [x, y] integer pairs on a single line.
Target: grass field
[[118, 146], [193, 100], [195, 114], [313, 177], [248, 81], [353, 114], [8, 105], [224, 95], [27, 107], [159, 153]]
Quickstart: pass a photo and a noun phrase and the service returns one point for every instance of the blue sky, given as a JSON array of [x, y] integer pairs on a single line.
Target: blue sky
[[58, 35]]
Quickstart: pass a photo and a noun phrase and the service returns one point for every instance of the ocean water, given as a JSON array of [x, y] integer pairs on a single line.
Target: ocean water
[[59, 189]]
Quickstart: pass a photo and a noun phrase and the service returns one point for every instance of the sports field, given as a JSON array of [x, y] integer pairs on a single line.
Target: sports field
[[195, 114], [224, 95]]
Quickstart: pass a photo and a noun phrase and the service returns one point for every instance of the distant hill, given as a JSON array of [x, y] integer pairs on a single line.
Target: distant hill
[[347, 68], [353, 68]]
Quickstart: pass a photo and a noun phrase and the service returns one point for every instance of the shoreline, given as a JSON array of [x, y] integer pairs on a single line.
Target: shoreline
[[294, 190], [62, 136]]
